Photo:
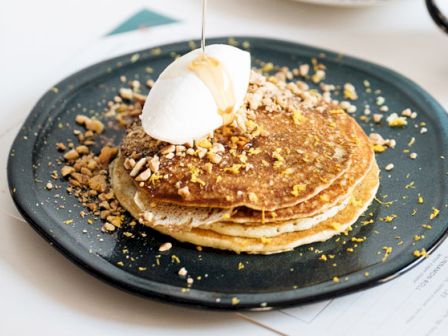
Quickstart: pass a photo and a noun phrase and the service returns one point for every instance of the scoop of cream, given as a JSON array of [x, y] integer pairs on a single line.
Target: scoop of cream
[[183, 105]]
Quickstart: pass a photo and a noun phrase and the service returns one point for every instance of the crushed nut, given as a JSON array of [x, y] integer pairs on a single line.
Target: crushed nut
[[67, 170], [71, 155], [184, 192], [389, 167], [138, 166], [165, 247], [95, 125], [107, 154], [126, 93], [167, 149], [377, 117], [143, 177], [183, 272], [108, 227], [214, 158]]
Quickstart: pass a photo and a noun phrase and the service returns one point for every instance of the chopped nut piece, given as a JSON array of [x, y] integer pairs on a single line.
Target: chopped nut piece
[[126, 93], [135, 84], [180, 149], [81, 119], [184, 192], [377, 117], [208, 167], [389, 167], [167, 149], [406, 112], [350, 92], [107, 154], [413, 156], [95, 126], [218, 147], [98, 183], [60, 147], [318, 76], [108, 227], [304, 69], [71, 155], [183, 272], [67, 170], [380, 100], [138, 166], [205, 143], [201, 152], [214, 158], [49, 186], [377, 140], [143, 177], [154, 164], [82, 149], [129, 163], [115, 220], [165, 247]]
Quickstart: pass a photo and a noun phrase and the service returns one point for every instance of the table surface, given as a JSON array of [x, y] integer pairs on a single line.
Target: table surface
[[42, 288]]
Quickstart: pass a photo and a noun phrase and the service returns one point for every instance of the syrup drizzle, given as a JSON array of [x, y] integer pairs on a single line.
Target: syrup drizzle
[[211, 72]]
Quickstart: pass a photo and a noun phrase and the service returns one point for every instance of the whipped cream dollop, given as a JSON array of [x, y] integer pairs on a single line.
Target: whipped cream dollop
[[196, 94]]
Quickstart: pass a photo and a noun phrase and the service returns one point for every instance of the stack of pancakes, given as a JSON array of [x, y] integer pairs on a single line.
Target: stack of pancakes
[[295, 170]]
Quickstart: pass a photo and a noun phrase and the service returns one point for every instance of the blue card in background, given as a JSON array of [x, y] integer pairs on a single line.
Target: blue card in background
[[144, 18]]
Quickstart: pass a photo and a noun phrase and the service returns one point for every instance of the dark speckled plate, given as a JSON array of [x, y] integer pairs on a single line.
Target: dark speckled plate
[[265, 281]]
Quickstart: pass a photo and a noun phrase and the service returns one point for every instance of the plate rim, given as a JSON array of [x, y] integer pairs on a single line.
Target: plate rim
[[117, 277]]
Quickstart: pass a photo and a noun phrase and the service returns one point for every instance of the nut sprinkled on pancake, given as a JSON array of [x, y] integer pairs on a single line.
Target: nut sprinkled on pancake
[[289, 137]]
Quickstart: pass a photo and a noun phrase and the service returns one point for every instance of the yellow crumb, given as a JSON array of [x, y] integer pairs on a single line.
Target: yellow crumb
[[379, 148], [297, 189], [435, 212]]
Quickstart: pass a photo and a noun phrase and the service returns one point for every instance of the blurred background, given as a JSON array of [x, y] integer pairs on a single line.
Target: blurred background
[[38, 36], [43, 41]]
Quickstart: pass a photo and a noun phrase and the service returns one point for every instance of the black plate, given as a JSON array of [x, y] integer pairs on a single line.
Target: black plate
[[266, 281]]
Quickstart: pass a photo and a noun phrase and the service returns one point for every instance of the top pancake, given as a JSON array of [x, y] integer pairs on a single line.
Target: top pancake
[[361, 162], [298, 147]]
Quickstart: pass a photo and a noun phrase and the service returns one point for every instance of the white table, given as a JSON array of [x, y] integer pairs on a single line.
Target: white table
[[43, 293]]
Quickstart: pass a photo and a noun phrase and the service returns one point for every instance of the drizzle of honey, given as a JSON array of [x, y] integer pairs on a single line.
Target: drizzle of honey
[[211, 72]]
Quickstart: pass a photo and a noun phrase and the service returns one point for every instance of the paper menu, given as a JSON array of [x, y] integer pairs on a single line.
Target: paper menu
[[414, 304]]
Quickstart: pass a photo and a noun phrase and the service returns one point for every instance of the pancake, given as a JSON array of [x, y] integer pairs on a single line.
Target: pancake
[[362, 196], [178, 217], [293, 161], [361, 161], [272, 229], [164, 214]]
